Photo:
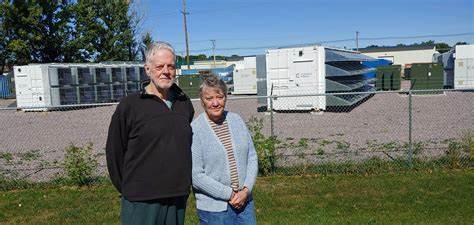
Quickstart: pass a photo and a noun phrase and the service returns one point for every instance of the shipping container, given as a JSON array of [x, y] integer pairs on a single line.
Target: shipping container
[[464, 67], [46, 86], [315, 70], [245, 76], [245, 81]]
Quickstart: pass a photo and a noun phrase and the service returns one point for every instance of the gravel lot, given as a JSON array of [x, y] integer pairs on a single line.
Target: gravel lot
[[35, 138]]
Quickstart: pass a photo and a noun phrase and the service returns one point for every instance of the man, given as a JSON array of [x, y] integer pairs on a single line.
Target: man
[[148, 147]]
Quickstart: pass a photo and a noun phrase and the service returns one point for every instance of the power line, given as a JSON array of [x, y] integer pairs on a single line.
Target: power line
[[334, 41], [337, 40], [206, 11]]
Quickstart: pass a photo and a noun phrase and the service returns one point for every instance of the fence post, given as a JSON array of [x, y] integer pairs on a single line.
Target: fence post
[[410, 129], [272, 134]]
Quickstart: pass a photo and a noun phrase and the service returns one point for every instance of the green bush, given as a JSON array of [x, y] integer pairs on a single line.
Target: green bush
[[265, 146], [467, 141], [460, 152], [80, 164]]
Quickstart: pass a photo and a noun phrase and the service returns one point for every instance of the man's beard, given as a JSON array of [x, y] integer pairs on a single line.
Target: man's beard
[[160, 88]]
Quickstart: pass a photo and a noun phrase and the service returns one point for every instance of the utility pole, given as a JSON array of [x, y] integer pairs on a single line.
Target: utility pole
[[186, 32], [214, 51], [357, 40]]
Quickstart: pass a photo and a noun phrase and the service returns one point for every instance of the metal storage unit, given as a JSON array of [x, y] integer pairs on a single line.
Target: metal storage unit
[[464, 67], [245, 81], [425, 76], [225, 74], [447, 60], [190, 85], [45, 86], [261, 80], [245, 76], [313, 70], [388, 78]]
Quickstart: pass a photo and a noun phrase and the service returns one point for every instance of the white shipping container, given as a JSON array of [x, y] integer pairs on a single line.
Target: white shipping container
[[464, 67], [33, 89], [250, 62], [245, 81], [40, 87], [296, 71]]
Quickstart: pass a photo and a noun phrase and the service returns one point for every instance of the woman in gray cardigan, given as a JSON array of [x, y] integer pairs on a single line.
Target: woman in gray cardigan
[[224, 160]]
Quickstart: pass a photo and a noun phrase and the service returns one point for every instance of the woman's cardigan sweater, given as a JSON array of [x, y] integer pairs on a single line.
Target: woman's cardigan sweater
[[211, 173]]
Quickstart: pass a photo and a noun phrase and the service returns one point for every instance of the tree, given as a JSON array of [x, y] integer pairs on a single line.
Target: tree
[[54, 32], [104, 30], [461, 43], [18, 19], [147, 40], [442, 47], [66, 31]]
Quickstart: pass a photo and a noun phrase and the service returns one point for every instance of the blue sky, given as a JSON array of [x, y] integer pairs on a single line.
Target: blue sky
[[247, 27]]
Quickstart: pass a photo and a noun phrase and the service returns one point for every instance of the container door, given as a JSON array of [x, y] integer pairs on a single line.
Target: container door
[[23, 87]]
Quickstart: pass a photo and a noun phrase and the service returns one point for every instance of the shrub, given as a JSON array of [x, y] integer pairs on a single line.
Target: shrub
[[80, 164], [265, 146], [467, 142]]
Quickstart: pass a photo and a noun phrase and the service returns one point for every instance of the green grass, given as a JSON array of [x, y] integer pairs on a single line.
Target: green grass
[[442, 197]]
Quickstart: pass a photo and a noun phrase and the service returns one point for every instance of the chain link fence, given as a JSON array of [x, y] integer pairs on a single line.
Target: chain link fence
[[386, 131]]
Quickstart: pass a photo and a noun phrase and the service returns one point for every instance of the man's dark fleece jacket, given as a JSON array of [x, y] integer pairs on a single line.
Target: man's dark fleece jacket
[[148, 146]]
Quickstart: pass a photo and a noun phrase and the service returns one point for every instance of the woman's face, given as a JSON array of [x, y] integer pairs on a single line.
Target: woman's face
[[213, 101]]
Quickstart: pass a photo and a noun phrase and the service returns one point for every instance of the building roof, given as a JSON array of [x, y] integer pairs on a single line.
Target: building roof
[[396, 48]]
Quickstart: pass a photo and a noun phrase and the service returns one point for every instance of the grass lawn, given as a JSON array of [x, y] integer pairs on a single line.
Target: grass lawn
[[445, 197]]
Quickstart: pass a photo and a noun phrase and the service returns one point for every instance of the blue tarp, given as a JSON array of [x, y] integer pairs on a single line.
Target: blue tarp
[[375, 64], [5, 89]]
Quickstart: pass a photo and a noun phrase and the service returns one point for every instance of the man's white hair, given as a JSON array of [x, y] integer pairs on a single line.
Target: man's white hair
[[155, 46]]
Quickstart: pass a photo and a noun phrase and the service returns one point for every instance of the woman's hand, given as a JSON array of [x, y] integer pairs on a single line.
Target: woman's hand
[[239, 198]]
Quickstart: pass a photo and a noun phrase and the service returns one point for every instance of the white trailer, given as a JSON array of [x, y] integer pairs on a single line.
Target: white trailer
[[296, 71], [245, 81], [41, 87], [314, 71], [464, 67], [245, 76]]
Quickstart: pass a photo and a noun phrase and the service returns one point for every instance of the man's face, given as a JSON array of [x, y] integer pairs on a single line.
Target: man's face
[[213, 101], [161, 69]]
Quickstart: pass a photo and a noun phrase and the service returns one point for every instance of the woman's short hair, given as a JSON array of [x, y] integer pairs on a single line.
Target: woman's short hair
[[155, 46], [212, 81]]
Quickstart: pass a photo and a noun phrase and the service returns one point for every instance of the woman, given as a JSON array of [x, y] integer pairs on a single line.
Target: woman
[[224, 160]]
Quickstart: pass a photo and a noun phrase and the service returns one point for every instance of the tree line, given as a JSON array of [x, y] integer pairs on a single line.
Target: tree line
[[36, 31], [440, 46]]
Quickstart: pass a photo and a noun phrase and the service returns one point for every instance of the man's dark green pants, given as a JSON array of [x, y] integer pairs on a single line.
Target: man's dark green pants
[[166, 211]]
